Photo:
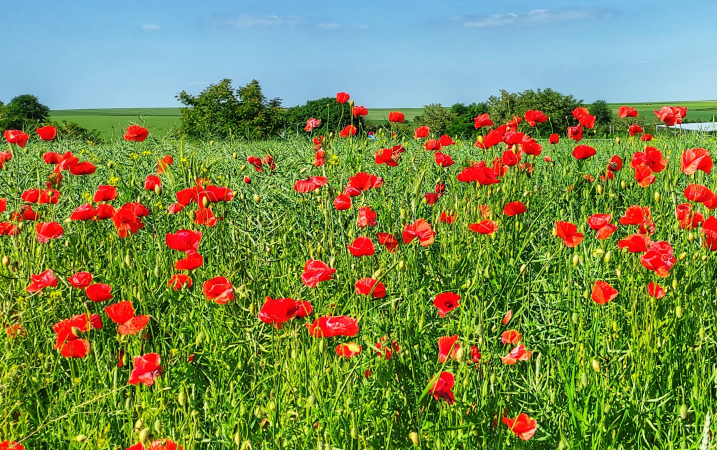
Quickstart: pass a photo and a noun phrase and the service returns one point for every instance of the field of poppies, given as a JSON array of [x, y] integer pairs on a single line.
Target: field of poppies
[[360, 291]]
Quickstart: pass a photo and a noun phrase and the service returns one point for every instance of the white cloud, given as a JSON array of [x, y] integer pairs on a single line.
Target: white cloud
[[150, 27], [537, 16], [249, 20], [329, 26]]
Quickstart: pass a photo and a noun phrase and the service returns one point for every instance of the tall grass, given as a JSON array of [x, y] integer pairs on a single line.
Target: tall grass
[[635, 373]]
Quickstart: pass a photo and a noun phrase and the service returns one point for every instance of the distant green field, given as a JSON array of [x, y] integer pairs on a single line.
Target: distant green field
[[112, 121]]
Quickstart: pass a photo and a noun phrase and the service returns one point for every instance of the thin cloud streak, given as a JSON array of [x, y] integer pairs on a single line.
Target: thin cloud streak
[[537, 16]]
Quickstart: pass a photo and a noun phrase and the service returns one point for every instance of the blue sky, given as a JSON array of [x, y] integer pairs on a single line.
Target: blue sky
[[97, 54]]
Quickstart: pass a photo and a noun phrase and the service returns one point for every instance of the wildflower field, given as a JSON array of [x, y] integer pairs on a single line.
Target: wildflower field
[[354, 291]]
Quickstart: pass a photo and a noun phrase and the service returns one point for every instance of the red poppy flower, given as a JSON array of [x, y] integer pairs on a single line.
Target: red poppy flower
[[534, 117], [183, 240], [635, 129], [421, 132], [396, 117], [519, 353], [362, 246], [667, 116], [41, 197], [597, 221], [511, 337], [127, 221], [419, 229], [191, 262], [146, 369], [84, 212], [655, 290], [366, 217], [491, 139], [218, 289], [342, 97], [360, 111], [349, 130], [122, 313], [16, 137], [366, 286], [509, 158], [709, 230], [484, 227], [49, 231], [635, 243], [151, 182], [646, 137], [698, 193], [4, 157], [329, 326], [350, 349], [446, 302], [389, 156], [105, 211], [105, 194], [584, 117], [448, 217], [80, 280], [530, 146], [162, 444], [583, 152], [316, 271], [82, 168], [342, 202], [644, 176], [659, 258], [483, 175], [568, 232], [309, 185], [523, 426], [179, 281], [99, 292], [606, 231], [446, 141], [256, 162], [312, 123], [441, 388], [3, 205], [554, 138], [696, 159], [8, 229], [136, 133], [575, 133], [603, 293], [652, 157], [635, 215], [447, 348], [626, 111], [514, 209], [483, 120], [47, 133], [68, 331], [389, 241], [41, 281], [11, 445], [277, 311]]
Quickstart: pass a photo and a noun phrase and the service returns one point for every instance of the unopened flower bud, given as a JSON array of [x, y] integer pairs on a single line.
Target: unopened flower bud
[[413, 436]]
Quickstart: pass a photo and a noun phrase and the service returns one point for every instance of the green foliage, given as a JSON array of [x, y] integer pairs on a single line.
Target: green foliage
[[556, 106], [334, 116], [72, 131], [463, 125], [437, 118], [221, 112], [604, 117], [24, 112]]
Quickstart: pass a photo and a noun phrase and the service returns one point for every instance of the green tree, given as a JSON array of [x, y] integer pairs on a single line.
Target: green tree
[[604, 117], [464, 125], [333, 115], [24, 112], [220, 111], [436, 117], [556, 106]]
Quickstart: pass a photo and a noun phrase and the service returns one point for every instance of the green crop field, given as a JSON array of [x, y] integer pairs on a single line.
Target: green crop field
[[247, 298], [112, 121]]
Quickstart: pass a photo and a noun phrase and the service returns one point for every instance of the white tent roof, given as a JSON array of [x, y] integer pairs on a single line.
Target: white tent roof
[[701, 126]]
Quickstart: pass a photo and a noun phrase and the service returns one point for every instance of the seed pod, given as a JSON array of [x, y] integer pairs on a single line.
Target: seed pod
[[413, 436], [596, 365]]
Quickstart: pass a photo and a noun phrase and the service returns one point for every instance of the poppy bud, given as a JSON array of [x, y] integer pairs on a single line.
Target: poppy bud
[[599, 189], [158, 189], [596, 365], [5, 261], [683, 412], [256, 198], [682, 256], [617, 272], [247, 180], [237, 439], [460, 354], [80, 438], [623, 184], [182, 397], [351, 103], [243, 167], [127, 260], [20, 226], [576, 259], [272, 406], [157, 426], [678, 312], [234, 155], [211, 142], [607, 257], [138, 425], [522, 268], [584, 379], [480, 139], [200, 338], [704, 257], [205, 202], [617, 140], [88, 304], [657, 197], [674, 283], [110, 164], [413, 436], [695, 256], [144, 435], [76, 332], [701, 333], [376, 274], [555, 232]]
